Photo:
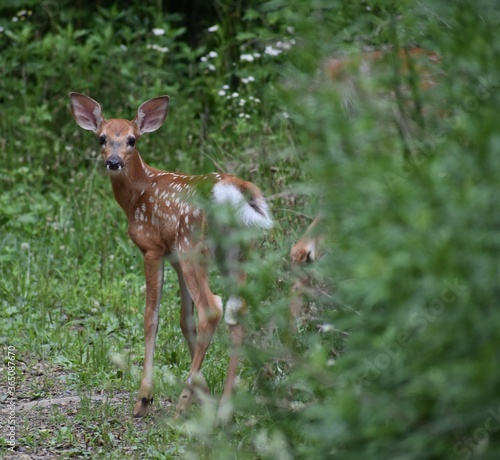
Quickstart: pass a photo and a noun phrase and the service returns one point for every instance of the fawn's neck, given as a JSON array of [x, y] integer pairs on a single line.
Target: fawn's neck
[[130, 182]]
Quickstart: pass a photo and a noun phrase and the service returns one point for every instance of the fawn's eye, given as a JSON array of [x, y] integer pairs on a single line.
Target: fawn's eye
[[131, 141], [102, 139]]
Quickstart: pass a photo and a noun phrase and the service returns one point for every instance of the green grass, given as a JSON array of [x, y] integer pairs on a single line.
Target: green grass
[[73, 297]]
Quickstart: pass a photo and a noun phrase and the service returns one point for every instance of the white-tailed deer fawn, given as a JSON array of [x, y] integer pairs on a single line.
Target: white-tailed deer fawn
[[420, 61], [166, 220]]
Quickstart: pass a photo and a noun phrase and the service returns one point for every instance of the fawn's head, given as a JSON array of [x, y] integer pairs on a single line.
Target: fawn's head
[[118, 137]]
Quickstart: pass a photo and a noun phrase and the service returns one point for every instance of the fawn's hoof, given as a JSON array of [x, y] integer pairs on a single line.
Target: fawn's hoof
[[142, 406]]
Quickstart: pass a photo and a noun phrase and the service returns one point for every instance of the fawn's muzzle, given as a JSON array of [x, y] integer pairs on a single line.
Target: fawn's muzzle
[[114, 164]]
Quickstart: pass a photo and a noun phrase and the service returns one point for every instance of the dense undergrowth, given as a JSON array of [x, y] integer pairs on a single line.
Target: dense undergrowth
[[398, 357]]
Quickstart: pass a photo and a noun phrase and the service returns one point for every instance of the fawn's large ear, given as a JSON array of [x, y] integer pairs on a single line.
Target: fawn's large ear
[[151, 114], [86, 112]]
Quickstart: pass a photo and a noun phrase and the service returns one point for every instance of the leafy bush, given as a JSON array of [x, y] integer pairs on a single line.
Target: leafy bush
[[403, 363], [414, 260]]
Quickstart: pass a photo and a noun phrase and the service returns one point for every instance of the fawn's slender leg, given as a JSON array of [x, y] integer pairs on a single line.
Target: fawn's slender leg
[[153, 269], [209, 308], [188, 323], [235, 307], [237, 332], [225, 410]]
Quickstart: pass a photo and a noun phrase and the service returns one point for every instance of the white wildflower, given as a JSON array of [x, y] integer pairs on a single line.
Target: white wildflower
[[241, 115], [290, 30], [247, 116], [1, 29], [246, 57], [284, 45], [235, 94], [158, 32], [25, 246], [161, 49], [270, 51], [213, 28], [326, 328], [211, 67], [256, 55], [221, 93], [242, 102], [203, 59], [226, 87], [285, 115], [250, 78], [212, 54]]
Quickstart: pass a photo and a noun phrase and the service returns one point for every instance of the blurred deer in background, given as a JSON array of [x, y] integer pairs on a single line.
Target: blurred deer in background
[[402, 74], [412, 69], [167, 219], [408, 59]]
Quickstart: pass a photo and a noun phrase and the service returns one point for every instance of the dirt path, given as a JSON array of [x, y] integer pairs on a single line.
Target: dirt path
[[53, 421]]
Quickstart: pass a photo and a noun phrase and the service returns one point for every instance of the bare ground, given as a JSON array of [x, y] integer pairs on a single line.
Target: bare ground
[[54, 422]]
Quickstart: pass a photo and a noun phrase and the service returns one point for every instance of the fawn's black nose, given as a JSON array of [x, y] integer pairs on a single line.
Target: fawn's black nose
[[114, 164]]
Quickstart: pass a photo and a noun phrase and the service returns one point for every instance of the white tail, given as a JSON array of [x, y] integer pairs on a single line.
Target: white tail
[[252, 212], [166, 220]]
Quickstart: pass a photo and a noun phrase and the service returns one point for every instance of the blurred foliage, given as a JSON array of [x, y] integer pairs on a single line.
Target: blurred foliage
[[415, 218], [400, 359]]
